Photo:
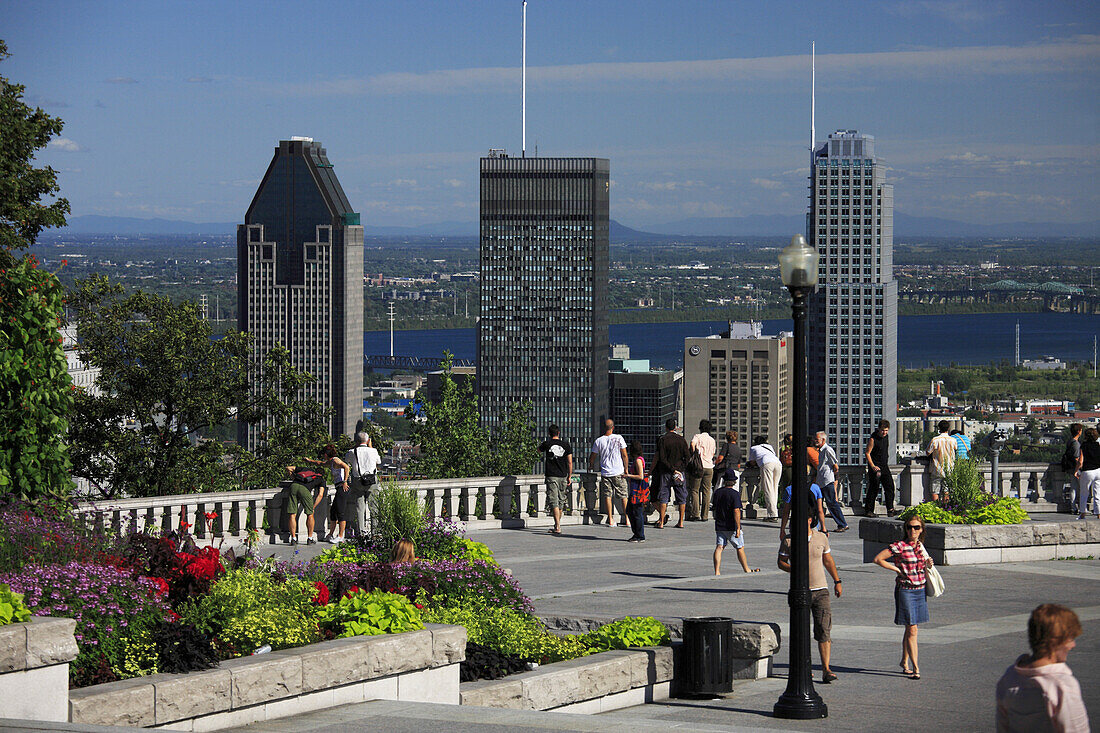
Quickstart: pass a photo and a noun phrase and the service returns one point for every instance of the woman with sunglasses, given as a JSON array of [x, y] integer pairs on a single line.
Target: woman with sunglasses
[[908, 559]]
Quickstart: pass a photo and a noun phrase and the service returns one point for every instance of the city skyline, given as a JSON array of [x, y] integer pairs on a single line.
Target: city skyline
[[987, 110]]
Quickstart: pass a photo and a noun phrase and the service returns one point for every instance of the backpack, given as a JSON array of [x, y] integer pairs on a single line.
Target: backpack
[[309, 478], [695, 464]]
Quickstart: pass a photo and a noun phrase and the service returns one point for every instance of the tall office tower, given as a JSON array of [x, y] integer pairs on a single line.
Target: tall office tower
[[739, 381], [852, 355], [543, 335], [300, 279], [641, 399]]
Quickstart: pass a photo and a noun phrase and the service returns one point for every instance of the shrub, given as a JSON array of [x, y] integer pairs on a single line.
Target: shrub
[[964, 486], [471, 551], [182, 648], [484, 663], [111, 610], [1006, 510], [508, 631], [400, 516], [629, 632], [931, 513], [47, 534], [249, 608], [347, 552], [187, 569], [370, 613], [12, 608]]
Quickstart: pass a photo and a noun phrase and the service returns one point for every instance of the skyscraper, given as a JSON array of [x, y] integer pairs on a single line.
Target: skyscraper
[[544, 257], [300, 279], [641, 399], [852, 356]]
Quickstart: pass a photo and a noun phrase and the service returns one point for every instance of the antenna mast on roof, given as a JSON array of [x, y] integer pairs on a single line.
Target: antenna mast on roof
[[813, 98], [524, 148]]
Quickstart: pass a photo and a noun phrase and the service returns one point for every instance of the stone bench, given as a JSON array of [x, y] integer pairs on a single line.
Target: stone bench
[[593, 684], [419, 666], [34, 668], [969, 544]]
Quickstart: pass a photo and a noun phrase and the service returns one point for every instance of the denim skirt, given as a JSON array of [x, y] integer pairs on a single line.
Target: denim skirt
[[910, 606]]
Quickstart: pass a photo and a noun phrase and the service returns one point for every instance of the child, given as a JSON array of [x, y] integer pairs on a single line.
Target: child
[[726, 504]]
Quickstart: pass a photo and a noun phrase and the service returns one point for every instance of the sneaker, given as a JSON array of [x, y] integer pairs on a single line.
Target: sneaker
[[311, 541], [640, 541], [868, 514], [633, 539], [293, 540], [1080, 516]]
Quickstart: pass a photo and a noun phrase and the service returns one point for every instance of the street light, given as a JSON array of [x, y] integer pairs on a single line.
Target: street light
[[798, 268]]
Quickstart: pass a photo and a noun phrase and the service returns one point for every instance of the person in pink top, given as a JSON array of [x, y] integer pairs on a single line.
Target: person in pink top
[[1039, 692]]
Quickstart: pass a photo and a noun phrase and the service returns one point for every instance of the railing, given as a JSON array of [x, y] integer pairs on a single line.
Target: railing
[[483, 503], [1038, 486]]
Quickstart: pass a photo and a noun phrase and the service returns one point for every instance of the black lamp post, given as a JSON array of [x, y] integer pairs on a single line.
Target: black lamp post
[[798, 268]]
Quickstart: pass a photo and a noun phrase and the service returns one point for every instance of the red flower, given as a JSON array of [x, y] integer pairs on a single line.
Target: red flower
[[353, 589], [211, 515], [418, 605], [161, 588], [172, 616], [322, 594]]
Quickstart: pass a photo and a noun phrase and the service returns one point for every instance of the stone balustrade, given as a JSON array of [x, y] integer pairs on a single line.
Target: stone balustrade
[[34, 668], [1038, 486]]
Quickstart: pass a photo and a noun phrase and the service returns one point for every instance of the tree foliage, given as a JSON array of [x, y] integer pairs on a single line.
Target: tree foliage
[[453, 443], [163, 379], [23, 131], [35, 389]]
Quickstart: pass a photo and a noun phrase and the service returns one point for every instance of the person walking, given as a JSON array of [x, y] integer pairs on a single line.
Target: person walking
[[908, 560], [771, 468], [827, 468], [1069, 464], [811, 455], [699, 486], [363, 460], [1088, 468], [729, 456], [558, 462], [821, 560], [942, 451], [817, 510], [609, 457], [726, 504], [668, 463], [878, 470], [638, 488], [1039, 691]]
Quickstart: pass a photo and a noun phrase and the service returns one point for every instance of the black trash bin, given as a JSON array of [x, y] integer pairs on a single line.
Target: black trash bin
[[707, 663]]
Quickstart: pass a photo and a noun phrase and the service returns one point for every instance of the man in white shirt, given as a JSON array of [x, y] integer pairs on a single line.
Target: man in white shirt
[[609, 456], [942, 452], [363, 460], [827, 468], [771, 469]]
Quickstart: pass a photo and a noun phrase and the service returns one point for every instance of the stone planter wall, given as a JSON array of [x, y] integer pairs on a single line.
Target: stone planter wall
[[419, 666], [969, 544], [34, 668], [601, 682]]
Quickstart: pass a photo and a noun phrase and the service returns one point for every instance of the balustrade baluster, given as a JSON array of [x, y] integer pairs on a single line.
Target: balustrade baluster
[[489, 505], [523, 506], [437, 503], [468, 502], [156, 520], [235, 522]]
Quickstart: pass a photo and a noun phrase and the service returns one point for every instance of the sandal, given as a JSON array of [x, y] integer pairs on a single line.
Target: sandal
[[828, 677], [914, 675], [755, 570], [904, 669]]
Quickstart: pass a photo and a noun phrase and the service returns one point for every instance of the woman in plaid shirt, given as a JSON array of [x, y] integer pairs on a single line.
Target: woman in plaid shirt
[[908, 559]]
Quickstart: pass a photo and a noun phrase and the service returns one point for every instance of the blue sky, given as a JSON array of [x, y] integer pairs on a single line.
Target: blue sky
[[983, 111]]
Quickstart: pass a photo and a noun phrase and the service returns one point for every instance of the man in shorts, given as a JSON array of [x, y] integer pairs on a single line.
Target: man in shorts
[[821, 560], [725, 502], [299, 494], [609, 455], [558, 459], [668, 464]]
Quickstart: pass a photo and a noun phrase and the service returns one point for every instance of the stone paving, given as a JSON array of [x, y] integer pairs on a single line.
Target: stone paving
[[977, 629]]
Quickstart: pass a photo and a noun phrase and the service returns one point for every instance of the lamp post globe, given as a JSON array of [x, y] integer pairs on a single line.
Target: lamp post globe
[[798, 265]]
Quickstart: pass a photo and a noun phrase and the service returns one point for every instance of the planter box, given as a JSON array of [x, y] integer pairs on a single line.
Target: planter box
[[969, 544], [34, 668], [593, 684], [420, 666]]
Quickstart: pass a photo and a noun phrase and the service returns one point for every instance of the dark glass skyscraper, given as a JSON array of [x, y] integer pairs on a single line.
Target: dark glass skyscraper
[[853, 350], [544, 258], [300, 279]]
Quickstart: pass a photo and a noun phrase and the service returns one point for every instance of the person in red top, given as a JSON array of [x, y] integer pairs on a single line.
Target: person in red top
[[908, 559]]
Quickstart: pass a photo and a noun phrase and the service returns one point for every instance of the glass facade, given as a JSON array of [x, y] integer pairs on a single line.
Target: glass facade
[[640, 404], [300, 279], [853, 315], [543, 332]]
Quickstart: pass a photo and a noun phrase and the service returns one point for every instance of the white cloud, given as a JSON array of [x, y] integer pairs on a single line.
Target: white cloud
[[1061, 56], [121, 80], [668, 185], [766, 183], [199, 80], [454, 183], [64, 143]]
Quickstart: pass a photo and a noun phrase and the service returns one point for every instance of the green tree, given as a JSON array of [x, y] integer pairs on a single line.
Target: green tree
[[452, 442], [514, 448], [163, 380], [35, 389]]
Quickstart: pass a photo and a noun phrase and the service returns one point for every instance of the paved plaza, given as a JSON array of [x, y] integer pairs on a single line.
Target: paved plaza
[[977, 629]]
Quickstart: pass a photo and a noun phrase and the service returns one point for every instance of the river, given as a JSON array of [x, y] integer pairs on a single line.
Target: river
[[969, 338]]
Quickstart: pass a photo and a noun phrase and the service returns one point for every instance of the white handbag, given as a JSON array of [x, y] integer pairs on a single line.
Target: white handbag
[[933, 583]]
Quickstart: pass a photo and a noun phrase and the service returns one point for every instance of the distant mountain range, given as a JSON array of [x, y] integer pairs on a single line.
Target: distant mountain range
[[776, 225]]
